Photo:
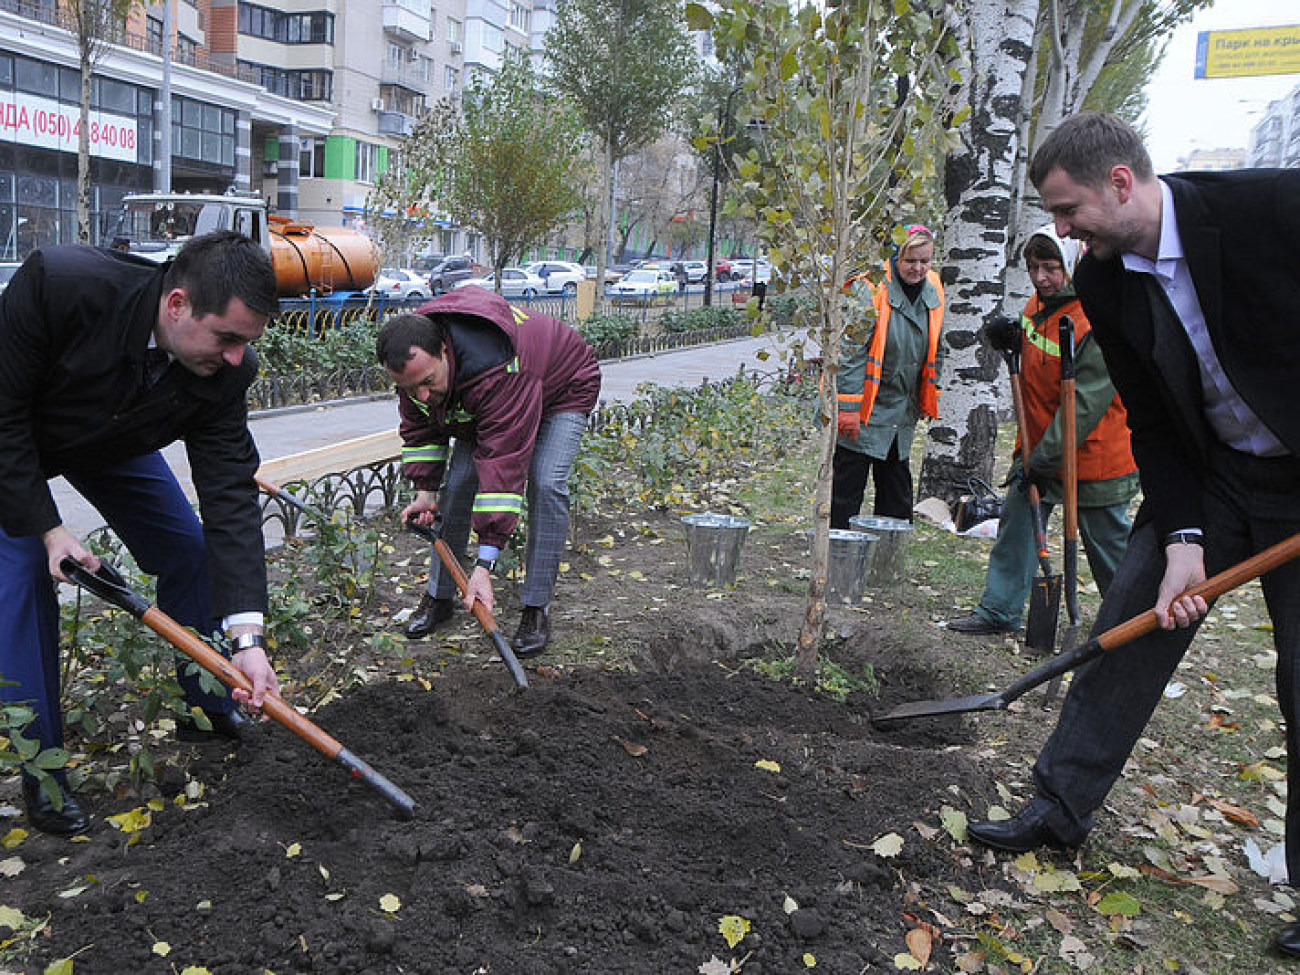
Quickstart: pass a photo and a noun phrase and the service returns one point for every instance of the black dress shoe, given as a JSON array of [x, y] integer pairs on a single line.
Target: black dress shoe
[[227, 726], [1288, 940], [428, 616], [69, 820], [533, 634], [1025, 831], [976, 625]]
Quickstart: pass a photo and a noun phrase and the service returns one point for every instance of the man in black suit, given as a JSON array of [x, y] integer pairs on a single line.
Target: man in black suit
[[1192, 285]]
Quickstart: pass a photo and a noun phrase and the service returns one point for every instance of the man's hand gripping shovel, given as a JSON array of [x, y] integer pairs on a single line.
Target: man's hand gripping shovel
[[109, 585], [433, 534]]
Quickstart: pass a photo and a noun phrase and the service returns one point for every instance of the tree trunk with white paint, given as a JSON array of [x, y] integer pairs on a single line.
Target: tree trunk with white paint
[[978, 182]]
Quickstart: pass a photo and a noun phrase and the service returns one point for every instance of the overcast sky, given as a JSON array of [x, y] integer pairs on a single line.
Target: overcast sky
[[1185, 112]]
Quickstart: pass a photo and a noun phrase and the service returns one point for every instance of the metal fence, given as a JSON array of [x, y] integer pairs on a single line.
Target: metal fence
[[314, 315]]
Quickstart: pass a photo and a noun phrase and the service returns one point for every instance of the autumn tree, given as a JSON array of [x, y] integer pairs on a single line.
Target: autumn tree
[[95, 25], [503, 165], [624, 64], [838, 159], [1033, 62]]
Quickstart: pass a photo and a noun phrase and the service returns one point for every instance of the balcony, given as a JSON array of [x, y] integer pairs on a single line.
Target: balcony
[[404, 23], [403, 74], [395, 123]]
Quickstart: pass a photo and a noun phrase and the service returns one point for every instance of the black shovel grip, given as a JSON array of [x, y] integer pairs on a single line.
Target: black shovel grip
[[107, 584], [1066, 343]]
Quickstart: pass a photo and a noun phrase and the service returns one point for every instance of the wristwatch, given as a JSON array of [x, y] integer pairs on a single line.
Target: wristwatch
[[489, 564], [246, 640], [1185, 538]]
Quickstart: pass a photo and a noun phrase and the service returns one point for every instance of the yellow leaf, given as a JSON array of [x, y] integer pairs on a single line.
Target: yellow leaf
[[809, 961], [141, 896], [133, 820], [767, 765], [11, 918], [14, 837], [906, 962], [954, 822], [293, 850], [576, 853], [390, 903], [733, 928], [334, 897], [162, 949], [1123, 872], [888, 845], [195, 970], [61, 967]]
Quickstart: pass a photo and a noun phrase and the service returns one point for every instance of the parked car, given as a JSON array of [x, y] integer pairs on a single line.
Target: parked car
[[694, 271], [643, 284], [611, 275], [561, 277], [449, 272], [516, 282], [394, 282], [722, 272], [7, 270], [746, 268]]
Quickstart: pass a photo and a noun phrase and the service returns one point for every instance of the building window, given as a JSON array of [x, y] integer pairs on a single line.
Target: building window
[[153, 33], [311, 157], [286, 28], [450, 78], [455, 31], [307, 86], [203, 132], [519, 17], [367, 162]]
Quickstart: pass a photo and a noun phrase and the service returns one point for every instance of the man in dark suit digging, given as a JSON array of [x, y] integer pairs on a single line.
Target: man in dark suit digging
[[1192, 285]]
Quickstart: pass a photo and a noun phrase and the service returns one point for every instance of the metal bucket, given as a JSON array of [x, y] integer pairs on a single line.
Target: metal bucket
[[889, 554], [713, 544], [850, 556]]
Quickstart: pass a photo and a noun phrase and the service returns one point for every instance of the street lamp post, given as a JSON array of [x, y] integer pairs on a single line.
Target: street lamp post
[[724, 121]]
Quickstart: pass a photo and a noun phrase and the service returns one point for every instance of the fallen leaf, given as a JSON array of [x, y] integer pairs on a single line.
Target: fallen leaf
[[13, 837], [906, 962], [631, 747], [733, 929], [789, 905], [11, 918], [576, 853], [954, 821], [1119, 902], [133, 820], [12, 867], [1237, 814], [715, 966], [809, 960], [390, 903], [162, 949], [767, 765], [920, 944], [888, 845], [293, 850]]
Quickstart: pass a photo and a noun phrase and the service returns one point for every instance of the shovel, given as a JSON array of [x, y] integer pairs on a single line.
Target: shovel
[[481, 612], [1045, 594], [1116, 636], [109, 585], [1069, 437]]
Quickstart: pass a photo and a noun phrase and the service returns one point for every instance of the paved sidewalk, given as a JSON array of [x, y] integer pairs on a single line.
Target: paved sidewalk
[[294, 430]]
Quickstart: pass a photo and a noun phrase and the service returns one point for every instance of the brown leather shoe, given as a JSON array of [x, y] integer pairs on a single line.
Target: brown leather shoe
[[428, 616]]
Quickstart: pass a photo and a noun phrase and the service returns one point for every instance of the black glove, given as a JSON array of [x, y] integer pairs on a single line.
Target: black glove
[[1016, 478], [1003, 334]]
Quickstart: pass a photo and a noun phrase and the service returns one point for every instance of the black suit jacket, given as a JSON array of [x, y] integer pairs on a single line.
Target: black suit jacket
[[1241, 238], [74, 325]]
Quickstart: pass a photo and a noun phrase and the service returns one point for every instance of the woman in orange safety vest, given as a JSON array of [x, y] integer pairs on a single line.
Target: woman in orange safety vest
[[887, 381]]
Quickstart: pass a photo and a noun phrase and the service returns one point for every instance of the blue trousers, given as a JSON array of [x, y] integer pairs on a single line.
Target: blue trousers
[[547, 494], [1013, 562], [145, 506]]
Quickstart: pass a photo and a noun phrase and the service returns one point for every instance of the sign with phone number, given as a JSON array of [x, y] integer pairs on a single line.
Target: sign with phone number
[[43, 122]]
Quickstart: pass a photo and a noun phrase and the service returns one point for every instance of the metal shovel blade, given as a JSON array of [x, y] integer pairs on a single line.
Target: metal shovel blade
[[1044, 611]]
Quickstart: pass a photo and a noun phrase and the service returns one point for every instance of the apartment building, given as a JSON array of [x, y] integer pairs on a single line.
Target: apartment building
[[1275, 138], [298, 101]]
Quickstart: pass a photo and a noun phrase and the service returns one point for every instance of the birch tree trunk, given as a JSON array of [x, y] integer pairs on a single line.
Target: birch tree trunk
[[978, 178]]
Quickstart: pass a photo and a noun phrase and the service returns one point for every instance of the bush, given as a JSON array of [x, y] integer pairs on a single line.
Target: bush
[[787, 311], [600, 329], [702, 319], [287, 352]]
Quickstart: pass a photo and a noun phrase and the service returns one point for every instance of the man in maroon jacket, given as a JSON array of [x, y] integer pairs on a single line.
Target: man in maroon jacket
[[513, 388]]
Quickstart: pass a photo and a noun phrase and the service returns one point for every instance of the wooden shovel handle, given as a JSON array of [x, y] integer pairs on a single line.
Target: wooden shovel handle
[[1212, 588]]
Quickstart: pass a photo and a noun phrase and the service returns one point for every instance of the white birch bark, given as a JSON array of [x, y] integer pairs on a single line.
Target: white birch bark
[[978, 181]]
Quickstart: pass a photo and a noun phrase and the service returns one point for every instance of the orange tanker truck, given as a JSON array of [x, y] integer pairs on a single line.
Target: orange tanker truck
[[334, 261]]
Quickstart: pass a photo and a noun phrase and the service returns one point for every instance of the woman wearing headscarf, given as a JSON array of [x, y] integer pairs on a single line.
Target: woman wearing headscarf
[[1107, 473], [887, 381]]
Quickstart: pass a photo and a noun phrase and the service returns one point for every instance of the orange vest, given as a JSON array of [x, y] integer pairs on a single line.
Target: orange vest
[[1106, 452], [928, 392]]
